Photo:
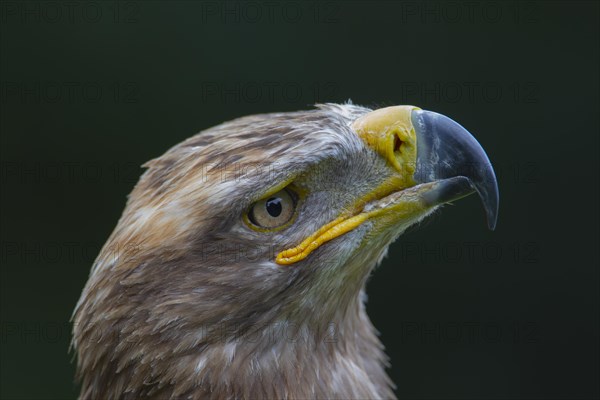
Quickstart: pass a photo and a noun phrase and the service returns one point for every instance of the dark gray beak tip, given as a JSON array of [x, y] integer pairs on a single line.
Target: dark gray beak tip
[[446, 150], [491, 208]]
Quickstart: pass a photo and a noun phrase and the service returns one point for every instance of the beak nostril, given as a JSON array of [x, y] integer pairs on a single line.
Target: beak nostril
[[397, 144], [390, 133]]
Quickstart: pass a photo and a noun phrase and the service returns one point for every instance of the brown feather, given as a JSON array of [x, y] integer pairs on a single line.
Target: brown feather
[[184, 302]]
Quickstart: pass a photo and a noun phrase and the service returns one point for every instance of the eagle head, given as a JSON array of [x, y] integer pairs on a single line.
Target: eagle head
[[238, 267]]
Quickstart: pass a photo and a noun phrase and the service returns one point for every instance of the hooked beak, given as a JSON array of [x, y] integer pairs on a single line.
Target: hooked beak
[[436, 161], [450, 156]]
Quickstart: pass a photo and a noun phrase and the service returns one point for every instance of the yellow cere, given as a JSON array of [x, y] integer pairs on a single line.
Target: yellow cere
[[388, 131], [381, 129]]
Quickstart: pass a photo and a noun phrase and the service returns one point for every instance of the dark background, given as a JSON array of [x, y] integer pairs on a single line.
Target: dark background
[[91, 90]]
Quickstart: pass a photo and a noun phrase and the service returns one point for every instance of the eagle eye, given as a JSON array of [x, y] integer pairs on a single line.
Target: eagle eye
[[273, 211]]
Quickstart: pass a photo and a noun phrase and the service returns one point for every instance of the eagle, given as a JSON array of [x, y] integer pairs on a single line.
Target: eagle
[[238, 267]]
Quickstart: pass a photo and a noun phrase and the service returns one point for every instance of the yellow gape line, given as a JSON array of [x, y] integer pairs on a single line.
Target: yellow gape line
[[387, 214], [328, 232], [390, 133]]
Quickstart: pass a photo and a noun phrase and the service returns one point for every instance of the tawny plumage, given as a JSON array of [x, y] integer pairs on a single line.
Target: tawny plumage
[[238, 267]]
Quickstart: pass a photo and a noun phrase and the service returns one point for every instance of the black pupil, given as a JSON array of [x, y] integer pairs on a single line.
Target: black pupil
[[274, 206]]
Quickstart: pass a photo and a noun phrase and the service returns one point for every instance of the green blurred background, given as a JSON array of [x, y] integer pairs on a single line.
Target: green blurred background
[[91, 90]]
